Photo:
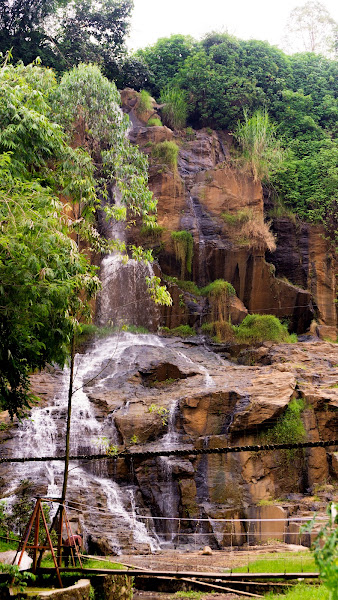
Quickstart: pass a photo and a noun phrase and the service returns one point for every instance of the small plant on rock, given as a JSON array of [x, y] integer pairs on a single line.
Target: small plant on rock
[[175, 109], [183, 248], [166, 153]]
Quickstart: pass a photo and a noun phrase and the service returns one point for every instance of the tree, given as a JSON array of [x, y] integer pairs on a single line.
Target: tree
[[94, 31], [46, 281], [311, 29], [64, 33], [165, 58], [23, 26]]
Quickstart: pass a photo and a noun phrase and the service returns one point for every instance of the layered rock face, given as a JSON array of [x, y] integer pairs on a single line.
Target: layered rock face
[[291, 276], [143, 392]]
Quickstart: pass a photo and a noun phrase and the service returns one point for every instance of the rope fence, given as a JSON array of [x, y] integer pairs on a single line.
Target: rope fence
[[175, 452]]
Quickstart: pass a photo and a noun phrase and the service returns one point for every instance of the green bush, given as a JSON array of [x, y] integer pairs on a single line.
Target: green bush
[[260, 328], [166, 153], [289, 427], [144, 103], [218, 288], [154, 122], [184, 249], [175, 109], [219, 293], [180, 331]]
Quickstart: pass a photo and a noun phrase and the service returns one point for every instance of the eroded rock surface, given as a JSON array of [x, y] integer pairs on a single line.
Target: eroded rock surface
[[146, 392]]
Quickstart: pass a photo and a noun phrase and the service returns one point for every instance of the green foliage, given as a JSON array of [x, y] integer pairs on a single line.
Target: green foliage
[[42, 275], [325, 550], [262, 152], [219, 293], [153, 232], [17, 578], [237, 218], [158, 292], [154, 122], [161, 411], [144, 102], [46, 281], [259, 328], [222, 75], [220, 331], [218, 289], [81, 31], [165, 58], [175, 109], [166, 153], [180, 331], [309, 181], [289, 427], [301, 591], [184, 249]]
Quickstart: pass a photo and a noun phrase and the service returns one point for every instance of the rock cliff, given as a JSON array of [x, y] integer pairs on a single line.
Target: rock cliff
[[290, 274]]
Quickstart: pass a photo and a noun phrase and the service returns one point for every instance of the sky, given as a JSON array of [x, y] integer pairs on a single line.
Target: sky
[[257, 19]]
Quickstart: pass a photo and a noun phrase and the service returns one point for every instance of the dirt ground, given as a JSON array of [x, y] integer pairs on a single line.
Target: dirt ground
[[218, 561]]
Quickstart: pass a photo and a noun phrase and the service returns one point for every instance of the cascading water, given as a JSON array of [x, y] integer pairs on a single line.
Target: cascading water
[[43, 434]]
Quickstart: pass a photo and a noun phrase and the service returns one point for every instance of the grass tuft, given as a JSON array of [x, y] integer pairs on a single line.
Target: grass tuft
[[166, 153]]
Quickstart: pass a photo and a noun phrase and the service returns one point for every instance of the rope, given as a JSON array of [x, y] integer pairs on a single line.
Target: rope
[[177, 452]]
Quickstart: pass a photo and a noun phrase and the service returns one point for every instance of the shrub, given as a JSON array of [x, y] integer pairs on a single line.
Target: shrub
[[190, 133], [175, 109], [144, 102], [237, 218], [289, 427], [154, 122], [183, 248], [260, 328], [326, 550], [180, 331], [166, 153]]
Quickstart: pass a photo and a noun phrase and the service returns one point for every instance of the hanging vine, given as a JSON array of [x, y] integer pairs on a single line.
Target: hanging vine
[[183, 248]]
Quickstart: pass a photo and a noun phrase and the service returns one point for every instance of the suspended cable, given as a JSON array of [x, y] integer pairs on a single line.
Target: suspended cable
[[176, 452]]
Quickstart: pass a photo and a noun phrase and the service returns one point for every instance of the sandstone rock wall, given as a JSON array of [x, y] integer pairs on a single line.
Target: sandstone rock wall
[[295, 281]]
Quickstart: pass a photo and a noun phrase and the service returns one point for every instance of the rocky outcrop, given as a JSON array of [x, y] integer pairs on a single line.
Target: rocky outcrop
[[209, 197], [152, 393]]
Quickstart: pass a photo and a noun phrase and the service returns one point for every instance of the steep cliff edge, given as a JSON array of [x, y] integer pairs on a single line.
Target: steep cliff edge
[[290, 274]]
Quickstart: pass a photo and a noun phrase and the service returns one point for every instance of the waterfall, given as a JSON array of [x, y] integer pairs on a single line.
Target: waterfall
[[124, 299], [44, 434]]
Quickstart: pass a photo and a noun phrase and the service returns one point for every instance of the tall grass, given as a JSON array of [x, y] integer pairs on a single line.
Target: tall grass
[[175, 109], [262, 152], [144, 102], [166, 153], [302, 592], [249, 229]]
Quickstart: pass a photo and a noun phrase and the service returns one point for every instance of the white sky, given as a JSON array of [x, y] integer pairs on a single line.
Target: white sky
[[257, 19]]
